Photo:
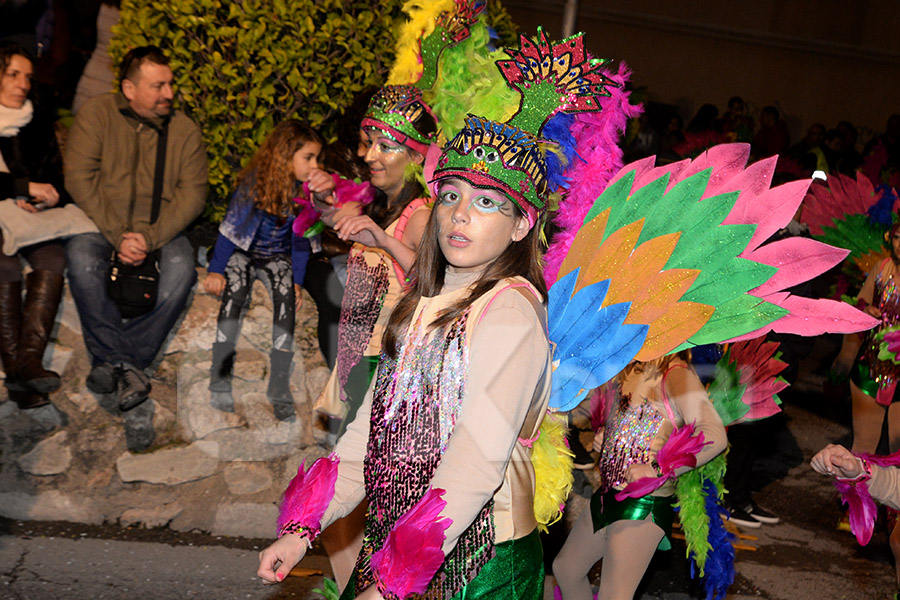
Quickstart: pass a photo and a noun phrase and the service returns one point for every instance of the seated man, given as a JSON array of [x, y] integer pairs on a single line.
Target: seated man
[[110, 169]]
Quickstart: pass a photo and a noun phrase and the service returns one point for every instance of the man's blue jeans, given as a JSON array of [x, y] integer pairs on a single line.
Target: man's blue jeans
[[108, 337]]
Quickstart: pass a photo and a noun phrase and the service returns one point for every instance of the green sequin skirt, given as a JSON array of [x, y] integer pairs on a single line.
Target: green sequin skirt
[[862, 377], [605, 509], [515, 573]]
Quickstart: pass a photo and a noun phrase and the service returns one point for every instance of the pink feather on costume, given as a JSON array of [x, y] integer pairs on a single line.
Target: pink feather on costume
[[309, 493], [842, 196], [861, 509], [893, 341], [680, 450], [600, 158], [412, 552], [758, 367]]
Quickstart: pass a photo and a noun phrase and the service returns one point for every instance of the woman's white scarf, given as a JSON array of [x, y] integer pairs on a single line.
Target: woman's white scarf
[[11, 121]]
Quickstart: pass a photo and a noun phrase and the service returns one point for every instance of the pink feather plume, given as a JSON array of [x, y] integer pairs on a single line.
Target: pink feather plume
[[412, 554], [861, 509], [309, 493], [597, 138], [893, 341], [680, 450]]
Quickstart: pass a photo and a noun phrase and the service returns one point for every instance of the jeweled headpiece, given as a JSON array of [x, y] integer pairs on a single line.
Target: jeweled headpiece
[[511, 156], [397, 108]]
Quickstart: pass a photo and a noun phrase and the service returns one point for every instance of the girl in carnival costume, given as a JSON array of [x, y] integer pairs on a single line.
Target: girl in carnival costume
[[873, 380], [256, 241], [443, 442], [655, 399], [456, 407]]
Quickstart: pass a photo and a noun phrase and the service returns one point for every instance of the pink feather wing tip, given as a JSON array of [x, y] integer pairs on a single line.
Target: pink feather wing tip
[[309, 494], [412, 552], [680, 450]]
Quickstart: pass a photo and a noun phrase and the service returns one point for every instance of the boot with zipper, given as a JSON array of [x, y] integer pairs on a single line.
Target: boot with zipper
[[42, 296], [279, 390]]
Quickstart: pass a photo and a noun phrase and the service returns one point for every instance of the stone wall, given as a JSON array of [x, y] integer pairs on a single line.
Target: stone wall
[[207, 471]]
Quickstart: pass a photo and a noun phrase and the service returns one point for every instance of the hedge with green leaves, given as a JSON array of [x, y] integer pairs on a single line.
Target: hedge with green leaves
[[241, 66]]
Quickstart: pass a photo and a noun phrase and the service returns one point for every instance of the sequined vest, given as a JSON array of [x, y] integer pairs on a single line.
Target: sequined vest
[[629, 432], [887, 299], [374, 282], [417, 399]]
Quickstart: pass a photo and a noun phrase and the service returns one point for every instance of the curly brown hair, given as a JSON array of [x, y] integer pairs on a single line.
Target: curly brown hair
[[271, 170]]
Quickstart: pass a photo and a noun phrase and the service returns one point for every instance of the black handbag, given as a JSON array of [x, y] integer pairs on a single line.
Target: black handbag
[[134, 288]]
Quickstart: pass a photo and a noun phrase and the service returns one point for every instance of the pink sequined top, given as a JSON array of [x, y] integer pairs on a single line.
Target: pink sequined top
[[481, 397], [637, 425], [886, 297]]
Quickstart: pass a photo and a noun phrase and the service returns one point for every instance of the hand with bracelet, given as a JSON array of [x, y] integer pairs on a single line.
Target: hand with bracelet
[[839, 462]]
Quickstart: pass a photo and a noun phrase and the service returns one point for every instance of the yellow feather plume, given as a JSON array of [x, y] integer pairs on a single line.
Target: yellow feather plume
[[552, 462], [422, 15]]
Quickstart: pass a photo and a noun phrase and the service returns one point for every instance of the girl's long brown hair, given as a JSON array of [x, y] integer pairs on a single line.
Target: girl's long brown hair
[[271, 171], [522, 258]]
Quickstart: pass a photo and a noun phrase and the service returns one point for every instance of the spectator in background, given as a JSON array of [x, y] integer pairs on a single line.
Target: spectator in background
[[111, 171], [701, 134], [672, 137], [881, 156], [849, 159], [736, 124], [831, 151], [645, 142], [773, 137], [32, 176]]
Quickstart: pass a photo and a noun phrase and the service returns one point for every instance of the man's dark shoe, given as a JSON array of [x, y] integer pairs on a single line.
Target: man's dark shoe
[[134, 387], [103, 379], [139, 432]]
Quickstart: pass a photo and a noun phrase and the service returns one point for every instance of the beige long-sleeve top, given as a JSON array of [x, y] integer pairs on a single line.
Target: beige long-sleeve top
[[885, 485], [506, 396]]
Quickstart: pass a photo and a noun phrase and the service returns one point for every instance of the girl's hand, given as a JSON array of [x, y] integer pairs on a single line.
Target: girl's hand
[[214, 284], [361, 229], [639, 471], [298, 296], [873, 311], [837, 461], [276, 561]]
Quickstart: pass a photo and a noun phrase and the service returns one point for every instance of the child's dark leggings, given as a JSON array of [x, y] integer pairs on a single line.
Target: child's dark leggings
[[276, 274]]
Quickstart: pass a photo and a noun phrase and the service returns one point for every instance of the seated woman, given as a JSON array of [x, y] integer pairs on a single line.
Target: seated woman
[[31, 173]]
